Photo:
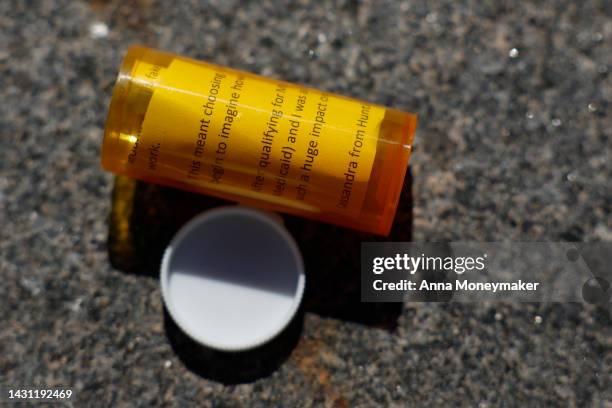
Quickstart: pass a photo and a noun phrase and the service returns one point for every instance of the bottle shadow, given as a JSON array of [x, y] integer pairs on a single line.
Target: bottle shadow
[[144, 218]]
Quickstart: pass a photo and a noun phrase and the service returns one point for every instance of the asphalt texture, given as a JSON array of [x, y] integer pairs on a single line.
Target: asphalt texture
[[513, 143]]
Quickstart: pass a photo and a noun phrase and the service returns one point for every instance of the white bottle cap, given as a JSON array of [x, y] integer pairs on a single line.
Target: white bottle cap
[[232, 278]]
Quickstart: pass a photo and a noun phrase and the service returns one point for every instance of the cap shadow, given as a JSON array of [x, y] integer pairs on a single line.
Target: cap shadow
[[145, 217], [234, 367]]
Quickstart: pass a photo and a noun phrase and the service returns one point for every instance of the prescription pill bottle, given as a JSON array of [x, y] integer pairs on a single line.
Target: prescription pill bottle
[[258, 141]]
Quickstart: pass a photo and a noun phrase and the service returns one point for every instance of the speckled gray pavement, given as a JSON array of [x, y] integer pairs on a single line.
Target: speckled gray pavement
[[514, 143]]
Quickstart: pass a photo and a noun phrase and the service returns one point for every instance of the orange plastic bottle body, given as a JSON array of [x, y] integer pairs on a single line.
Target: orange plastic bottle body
[[257, 141]]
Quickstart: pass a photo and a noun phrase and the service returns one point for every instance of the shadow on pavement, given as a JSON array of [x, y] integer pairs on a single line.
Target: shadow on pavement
[[144, 218]]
